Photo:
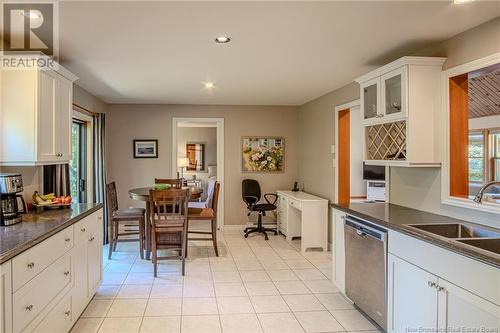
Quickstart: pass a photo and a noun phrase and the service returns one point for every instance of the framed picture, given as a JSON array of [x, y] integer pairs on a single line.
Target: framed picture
[[145, 148], [263, 154]]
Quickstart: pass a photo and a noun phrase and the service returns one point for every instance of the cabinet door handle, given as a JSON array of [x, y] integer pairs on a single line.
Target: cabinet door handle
[[99, 217], [67, 239], [83, 229], [31, 265], [91, 239], [439, 288], [432, 284], [67, 313], [29, 307], [66, 273]]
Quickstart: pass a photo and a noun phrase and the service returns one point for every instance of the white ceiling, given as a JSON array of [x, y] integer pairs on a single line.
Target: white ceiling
[[282, 53]]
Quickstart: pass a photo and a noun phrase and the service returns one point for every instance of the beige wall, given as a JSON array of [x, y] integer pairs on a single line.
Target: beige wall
[[128, 122], [420, 188], [317, 135], [85, 99]]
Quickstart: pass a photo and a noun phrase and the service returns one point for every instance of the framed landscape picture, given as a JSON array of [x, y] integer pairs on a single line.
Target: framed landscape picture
[[145, 148], [263, 154]]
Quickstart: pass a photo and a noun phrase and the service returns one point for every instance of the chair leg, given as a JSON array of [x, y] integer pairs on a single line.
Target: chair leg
[[116, 226], [153, 249], [141, 237], [184, 251], [110, 237], [186, 241], [214, 236]]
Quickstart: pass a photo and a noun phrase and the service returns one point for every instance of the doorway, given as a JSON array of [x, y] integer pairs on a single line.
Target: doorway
[[349, 183], [198, 153]]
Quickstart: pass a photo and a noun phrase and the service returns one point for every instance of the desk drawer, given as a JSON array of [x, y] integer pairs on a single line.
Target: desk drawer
[[295, 204], [32, 298], [29, 264]]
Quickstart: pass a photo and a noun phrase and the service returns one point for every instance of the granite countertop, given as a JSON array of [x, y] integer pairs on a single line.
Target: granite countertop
[[398, 217], [37, 227]]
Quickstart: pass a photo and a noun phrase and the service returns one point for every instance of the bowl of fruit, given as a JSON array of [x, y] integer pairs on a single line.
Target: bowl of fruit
[[50, 201]]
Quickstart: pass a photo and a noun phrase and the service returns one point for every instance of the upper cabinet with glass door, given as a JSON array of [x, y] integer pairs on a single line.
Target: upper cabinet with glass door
[[399, 102]]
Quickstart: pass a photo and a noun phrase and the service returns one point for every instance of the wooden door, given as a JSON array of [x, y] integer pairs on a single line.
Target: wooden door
[[344, 164]]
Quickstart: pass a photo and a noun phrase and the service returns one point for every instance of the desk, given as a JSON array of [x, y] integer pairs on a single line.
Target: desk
[[303, 215]]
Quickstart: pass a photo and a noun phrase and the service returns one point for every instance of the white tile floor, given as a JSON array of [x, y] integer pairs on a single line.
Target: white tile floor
[[254, 286]]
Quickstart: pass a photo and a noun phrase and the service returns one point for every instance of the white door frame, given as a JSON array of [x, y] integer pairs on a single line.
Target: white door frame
[[349, 105], [220, 156]]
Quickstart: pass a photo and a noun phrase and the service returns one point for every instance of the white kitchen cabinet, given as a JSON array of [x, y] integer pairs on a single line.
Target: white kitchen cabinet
[[412, 296], [282, 214], [88, 260], [461, 308], [338, 248], [6, 297], [437, 289], [35, 122], [400, 103]]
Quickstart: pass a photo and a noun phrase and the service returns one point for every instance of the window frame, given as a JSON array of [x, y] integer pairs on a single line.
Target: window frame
[[89, 166]]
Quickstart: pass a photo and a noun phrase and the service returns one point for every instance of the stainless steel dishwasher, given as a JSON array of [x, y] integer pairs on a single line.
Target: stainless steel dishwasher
[[366, 268]]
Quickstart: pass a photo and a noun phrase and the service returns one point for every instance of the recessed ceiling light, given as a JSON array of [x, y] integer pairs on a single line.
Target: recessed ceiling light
[[32, 15], [461, 2], [209, 85], [222, 39]]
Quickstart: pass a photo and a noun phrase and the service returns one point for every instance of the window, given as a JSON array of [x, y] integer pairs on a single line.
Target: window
[[495, 140], [78, 163], [476, 157]]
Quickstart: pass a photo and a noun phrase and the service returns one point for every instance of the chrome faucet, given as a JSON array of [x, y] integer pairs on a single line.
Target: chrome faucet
[[479, 196]]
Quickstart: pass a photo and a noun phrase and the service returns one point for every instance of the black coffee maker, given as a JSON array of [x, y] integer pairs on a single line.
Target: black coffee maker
[[11, 185]]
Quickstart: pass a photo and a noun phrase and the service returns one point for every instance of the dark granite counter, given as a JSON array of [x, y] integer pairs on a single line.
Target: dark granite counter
[[398, 217], [35, 228]]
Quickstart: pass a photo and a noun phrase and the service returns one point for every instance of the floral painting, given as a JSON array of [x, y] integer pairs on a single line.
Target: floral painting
[[263, 154]]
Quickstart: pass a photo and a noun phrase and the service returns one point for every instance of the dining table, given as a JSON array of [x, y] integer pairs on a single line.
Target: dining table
[[142, 194]]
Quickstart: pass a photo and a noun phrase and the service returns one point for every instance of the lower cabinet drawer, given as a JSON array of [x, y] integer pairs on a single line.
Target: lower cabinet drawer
[[32, 299], [59, 319], [29, 264]]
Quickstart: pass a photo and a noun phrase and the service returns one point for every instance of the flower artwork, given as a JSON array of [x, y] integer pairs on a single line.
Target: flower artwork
[[263, 154]]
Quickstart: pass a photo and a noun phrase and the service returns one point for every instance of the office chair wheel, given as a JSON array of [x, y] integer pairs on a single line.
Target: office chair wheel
[[246, 235]]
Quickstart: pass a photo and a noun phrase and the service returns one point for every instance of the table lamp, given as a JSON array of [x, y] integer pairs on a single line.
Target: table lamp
[[182, 162]]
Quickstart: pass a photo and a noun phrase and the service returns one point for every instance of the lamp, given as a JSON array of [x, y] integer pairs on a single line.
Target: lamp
[[182, 162]]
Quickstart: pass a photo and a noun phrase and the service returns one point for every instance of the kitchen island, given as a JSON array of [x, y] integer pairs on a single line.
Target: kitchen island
[[50, 268]]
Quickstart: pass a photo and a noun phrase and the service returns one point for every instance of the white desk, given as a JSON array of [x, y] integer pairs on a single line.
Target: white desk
[[303, 215]]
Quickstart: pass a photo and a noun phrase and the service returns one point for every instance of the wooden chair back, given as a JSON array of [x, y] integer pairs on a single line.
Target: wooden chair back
[[175, 183], [111, 197], [169, 207], [215, 199]]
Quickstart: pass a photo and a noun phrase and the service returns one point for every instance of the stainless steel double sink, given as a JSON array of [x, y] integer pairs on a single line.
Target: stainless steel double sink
[[480, 237]]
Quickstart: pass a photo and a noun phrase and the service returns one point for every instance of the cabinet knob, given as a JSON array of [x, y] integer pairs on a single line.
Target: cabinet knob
[[91, 239], [67, 313], [31, 265], [66, 273], [99, 217], [67, 239], [83, 229], [29, 307], [439, 288], [431, 284]]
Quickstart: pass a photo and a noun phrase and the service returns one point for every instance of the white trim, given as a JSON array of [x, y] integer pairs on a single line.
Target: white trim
[[349, 105], [220, 156], [446, 199], [89, 121]]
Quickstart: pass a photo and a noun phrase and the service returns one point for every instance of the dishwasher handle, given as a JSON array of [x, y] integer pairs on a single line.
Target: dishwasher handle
[[364, 230]]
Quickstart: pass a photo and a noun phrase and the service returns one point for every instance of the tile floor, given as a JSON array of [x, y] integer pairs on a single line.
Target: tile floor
[[253, 286]]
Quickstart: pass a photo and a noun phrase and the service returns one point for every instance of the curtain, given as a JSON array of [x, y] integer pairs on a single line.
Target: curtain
[[56, 179], [98, 151]]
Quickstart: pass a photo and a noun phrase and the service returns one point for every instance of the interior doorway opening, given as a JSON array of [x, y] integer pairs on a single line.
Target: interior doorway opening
[[198, 154]]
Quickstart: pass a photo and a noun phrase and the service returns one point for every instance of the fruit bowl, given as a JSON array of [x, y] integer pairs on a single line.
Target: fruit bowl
[[52, 206]]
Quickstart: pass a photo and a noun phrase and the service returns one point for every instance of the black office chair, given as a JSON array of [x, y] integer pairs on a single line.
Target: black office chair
[[251, 196]]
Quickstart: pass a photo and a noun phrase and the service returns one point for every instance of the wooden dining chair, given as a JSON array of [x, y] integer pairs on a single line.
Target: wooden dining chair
[[124, 217], [208, 213], [174, 182], [169, 226]]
